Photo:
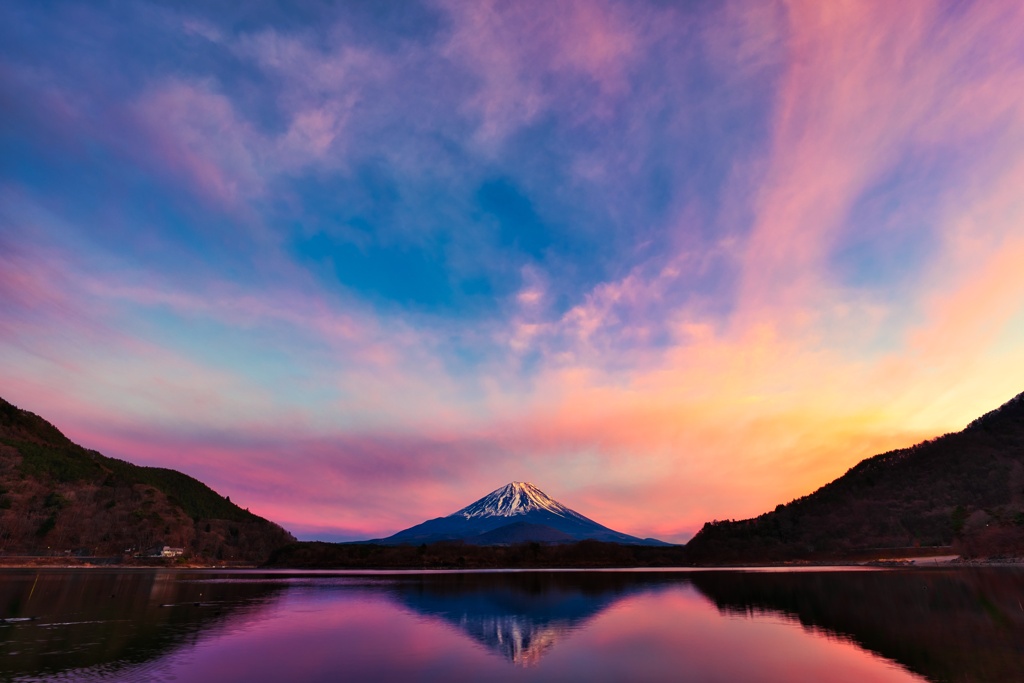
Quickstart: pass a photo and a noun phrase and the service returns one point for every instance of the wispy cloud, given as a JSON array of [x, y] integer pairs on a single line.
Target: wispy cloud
[[691, 262]]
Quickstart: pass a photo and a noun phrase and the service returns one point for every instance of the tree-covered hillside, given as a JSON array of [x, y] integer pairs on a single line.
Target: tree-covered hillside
[[57, 497], [965, 489]]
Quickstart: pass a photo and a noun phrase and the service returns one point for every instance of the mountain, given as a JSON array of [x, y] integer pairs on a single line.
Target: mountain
[[58, 498], [964, 489], [516, 513]]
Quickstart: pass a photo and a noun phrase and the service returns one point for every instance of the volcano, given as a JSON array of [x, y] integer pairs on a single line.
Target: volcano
[[518, 512]]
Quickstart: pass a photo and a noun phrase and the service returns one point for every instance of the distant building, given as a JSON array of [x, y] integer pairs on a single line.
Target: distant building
[[168, 551]]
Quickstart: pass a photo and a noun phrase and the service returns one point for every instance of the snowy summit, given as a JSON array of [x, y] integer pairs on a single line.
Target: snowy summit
[[516, 498]]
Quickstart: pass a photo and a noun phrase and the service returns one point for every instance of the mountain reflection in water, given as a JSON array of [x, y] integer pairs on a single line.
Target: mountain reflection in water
[[521, 615], [892, 626]]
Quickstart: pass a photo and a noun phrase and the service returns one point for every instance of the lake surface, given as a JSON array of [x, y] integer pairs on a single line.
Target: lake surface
[[773, 626]]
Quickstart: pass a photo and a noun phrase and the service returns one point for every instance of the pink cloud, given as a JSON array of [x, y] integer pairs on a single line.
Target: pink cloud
[[736, 417], [319, 91], [727, 415], [864, 85], [514, 48], [196, 131], [349, 483]]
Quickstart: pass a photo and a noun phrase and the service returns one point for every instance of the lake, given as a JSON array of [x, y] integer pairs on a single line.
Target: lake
[[775, 626]]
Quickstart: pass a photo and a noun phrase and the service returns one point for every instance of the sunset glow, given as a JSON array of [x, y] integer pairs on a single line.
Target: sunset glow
[[358, 266]]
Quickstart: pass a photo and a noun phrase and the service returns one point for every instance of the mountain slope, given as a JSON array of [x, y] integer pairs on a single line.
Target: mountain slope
[[528, 513], [58, 498], [965, 488]]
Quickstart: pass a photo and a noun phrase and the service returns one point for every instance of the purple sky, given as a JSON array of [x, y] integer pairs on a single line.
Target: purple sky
[[358, 265]]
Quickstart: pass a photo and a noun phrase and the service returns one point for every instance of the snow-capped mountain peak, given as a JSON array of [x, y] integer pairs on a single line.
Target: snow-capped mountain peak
[[516, 513], [511, 500]]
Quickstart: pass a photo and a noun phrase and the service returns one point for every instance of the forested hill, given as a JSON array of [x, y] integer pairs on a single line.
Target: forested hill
[[57, 497], [965, 489]]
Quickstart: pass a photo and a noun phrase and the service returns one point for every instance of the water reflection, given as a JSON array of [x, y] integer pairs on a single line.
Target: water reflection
[[945, 624], [596, 626], [520, 616], [60, 622]]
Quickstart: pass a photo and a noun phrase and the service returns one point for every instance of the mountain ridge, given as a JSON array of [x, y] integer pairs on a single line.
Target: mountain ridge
[[963, 490], [514, 513], [57, 497]]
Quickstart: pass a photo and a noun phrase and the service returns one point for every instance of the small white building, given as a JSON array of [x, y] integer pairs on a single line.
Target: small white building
[[168, 551]]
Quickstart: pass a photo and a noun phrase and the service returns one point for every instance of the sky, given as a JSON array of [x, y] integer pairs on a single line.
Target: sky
[[358, 264]]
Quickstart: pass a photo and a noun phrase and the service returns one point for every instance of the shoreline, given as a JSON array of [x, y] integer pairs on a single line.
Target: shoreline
[[42, 562], [944, 561]]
